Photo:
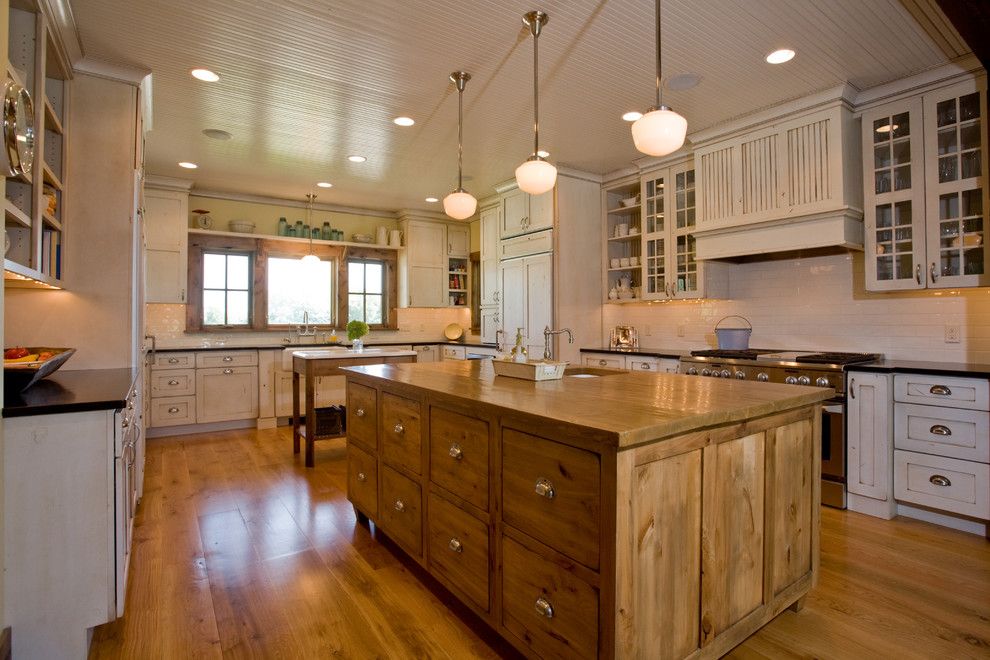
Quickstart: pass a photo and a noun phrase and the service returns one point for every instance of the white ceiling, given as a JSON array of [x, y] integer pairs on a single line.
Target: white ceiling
[[307, 82]]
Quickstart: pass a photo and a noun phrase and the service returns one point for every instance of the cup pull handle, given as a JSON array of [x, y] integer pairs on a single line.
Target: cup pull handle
[[228, 371], [940, 429], [173, 409], [544, 608], [173, 382], [544, 488], [227, 358], [940, 390], [939, 480], [173, 360]]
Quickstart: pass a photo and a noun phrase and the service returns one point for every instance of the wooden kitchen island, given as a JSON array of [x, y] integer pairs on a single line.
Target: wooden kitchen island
[[627, 515]]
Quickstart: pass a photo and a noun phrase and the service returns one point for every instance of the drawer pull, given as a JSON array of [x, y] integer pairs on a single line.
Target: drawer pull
[[173, 409], [544, 608], [456, 452], [173, 382], [940, 390], [544, 488], [940, 429], [644, 367], [228, 371], [173, 360], [362, 477], [399, 428], [359, 412], [939, 480], [603, 363], [400, 506], [455, 546], [227, 358]]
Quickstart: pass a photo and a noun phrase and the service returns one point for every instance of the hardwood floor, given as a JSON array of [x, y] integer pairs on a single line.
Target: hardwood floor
[[240, 551]]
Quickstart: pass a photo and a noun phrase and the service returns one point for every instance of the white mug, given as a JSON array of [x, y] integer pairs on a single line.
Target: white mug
[[614, 262]]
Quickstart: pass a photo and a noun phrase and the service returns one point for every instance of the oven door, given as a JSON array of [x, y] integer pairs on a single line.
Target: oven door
[[834, 454]]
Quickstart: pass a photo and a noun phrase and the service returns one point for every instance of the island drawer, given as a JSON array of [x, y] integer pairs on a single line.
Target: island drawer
[[173, 382], [206, 359], [174, 361], [548, 608], [362, 480], [362, 415], [551, 491], [953, 392], [173, 411], [943, 483], [459, 455], [401, 511], [953, 432], [402, 432], [458, 545]]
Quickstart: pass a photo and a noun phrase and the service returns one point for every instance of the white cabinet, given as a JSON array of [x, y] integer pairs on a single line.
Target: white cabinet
[[925, 192], [869, 440], [527, 299], [166, 214], [523, 213], [490, 323], [426, 263], [205, 386], [458, 240], [605, 360], [452, 353], [643, 363], [427, 353], [490, 218], [226, 394]]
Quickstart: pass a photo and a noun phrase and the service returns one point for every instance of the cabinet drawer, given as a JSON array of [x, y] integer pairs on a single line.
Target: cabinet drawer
[[943, 483], [642, 364], [459, 549], [523, 246], [173, 382], [555, 613], [362, 480], [402, 443], [971, 393], [401, 511], [551, 492], [174, 361], [227, 359], [604, 360], [362, 415], [952, 432], [173, 411], [459, 455]]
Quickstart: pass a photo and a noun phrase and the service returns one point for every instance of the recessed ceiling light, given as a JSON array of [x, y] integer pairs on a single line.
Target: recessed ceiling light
[[205, 75], [356, 159], [632, 116], [780, 56], [432, 200], [216, 134], [404, 121], [324, 184], [543, 153], [188, 165]]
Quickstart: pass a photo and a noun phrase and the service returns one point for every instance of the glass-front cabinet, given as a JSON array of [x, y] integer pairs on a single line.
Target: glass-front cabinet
[[672, 270], [925, 192]]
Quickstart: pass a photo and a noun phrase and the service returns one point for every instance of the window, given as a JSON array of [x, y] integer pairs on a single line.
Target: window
[[226, 289], [295, 288], [366, 291]]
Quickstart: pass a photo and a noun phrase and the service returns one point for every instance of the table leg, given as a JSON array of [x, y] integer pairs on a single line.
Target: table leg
[[295, 412], [310, 418]]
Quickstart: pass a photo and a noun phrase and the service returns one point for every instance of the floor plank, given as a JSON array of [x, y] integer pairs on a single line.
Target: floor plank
[[241, 551]]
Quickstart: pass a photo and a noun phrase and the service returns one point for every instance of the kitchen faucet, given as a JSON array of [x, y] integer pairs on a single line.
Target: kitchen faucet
[[305, 330], [547, 333]]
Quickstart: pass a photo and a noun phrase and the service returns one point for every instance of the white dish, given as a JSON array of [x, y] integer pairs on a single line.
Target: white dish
[[629, 201], [361, 238], [241, 226]]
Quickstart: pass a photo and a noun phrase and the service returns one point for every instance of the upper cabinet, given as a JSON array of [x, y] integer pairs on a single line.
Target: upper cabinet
[[523, 213], [490, 219], [34, 205], [435, 263], [166, 221], [926, 196], [458, 240]]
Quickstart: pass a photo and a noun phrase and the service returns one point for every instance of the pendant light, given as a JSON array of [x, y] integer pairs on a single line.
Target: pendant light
[[310, 259], [660, 131], [460, 204], [536, 176]]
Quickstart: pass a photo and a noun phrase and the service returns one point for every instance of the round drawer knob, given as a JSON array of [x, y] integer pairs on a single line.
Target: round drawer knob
[[940, 429], [399, 428], [399, 506], [455, 546], [456, 452], [359, 412], [544, 488], [173, 410], [173, 382], [939, 480], [544, 608], [362, 477]]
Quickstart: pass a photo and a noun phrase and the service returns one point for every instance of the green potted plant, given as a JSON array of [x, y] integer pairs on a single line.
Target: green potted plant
[[355, 330]]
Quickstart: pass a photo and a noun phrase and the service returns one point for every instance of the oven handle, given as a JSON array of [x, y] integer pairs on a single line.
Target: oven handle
[[834, 409]]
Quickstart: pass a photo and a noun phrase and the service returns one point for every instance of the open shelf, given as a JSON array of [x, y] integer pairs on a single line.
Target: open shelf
[[15, 215], [52, 122], [16, 275], [50, 221], [628, 237], [15, 76], [625, 210], [50, 177], [292, 239]]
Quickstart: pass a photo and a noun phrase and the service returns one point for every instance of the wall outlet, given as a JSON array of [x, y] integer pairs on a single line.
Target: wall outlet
[[680, 330], [952, 334]]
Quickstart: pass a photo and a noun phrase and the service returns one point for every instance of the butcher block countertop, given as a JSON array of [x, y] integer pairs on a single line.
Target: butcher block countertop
[[625, 408]]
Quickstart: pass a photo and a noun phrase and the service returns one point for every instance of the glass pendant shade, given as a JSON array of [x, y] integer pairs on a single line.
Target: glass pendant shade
[[659, 132], [310, 259], [459, 205], [536, 176]]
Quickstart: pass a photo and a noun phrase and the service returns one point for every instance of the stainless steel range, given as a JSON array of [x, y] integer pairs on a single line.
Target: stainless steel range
[[794, 368]]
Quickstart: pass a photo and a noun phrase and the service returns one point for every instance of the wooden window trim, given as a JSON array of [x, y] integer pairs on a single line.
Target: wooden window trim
[[389, 259]]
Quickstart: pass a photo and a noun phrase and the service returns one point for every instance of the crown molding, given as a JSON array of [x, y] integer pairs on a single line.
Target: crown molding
[[125, 73], [967, 65], [416, 214], [63, 24], [291, 203], [167, 183]]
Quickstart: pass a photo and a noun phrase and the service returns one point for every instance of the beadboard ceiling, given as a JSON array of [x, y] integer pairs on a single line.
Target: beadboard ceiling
[[304, 83]]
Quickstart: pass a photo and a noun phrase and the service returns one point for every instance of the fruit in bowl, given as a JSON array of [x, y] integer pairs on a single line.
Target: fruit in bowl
[[23, 366]]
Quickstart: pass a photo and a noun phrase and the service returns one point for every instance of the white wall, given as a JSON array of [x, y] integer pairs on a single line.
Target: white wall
[[819, 303]]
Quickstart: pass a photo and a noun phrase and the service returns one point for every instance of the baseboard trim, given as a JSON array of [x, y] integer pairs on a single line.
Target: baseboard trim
[[945, 520], [189, 429]]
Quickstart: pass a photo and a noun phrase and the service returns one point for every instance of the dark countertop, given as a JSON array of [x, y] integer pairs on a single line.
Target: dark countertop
[[72, 391], [646, 352], [919, 367], [262, 347]]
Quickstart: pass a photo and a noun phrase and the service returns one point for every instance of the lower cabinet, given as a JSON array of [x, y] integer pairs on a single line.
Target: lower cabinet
[[646, 363], [869, 443], [198, 387], [226, 393]]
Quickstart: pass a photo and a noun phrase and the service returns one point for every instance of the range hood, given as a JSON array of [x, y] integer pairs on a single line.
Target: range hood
[[842, 229]]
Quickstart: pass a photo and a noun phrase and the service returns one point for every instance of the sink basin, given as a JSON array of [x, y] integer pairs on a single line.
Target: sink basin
[[289, 350], [590, 372]]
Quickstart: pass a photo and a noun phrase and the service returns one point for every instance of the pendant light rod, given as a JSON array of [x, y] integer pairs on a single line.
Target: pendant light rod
[[310, 198], [659, 56], [535, 20], [460, 78]]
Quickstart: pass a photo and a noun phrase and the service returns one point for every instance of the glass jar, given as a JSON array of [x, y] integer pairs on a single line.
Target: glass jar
[[316, 233], [290, 231], [327, 232], [299, 229], [283, 227]]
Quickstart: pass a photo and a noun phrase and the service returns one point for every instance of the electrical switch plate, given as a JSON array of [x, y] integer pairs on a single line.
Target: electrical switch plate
[[952, 334]]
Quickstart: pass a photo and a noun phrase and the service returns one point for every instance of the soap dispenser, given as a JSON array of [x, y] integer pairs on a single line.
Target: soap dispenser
[[519, 353]]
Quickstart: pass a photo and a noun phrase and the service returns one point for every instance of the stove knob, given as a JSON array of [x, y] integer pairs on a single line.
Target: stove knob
[[692, 371], [741, 375], [822, 382], [725, 373], [791, 380], [804, 380], [706, 372], [762, 377]]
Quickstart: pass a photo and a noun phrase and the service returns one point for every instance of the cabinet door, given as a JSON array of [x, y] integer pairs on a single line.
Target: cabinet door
[[956, 188], [515, 213], [330, 391], [685, 272], [869, 436], [458, 241], [426, 354], [166, 220], [489, 324], [539, 301], [226, 394], [427, 287], [541, 211], [283, 394], [512, 284], [654, 223], [489, 255], [425, 243], [894, 197]]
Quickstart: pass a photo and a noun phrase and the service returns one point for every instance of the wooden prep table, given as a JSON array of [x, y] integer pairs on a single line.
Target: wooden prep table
[[311, 364]]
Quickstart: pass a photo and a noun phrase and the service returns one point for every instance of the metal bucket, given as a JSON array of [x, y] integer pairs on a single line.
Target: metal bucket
[[733, 338]]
